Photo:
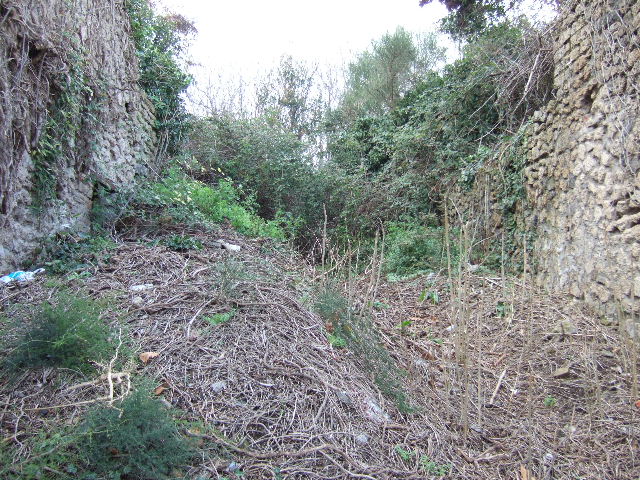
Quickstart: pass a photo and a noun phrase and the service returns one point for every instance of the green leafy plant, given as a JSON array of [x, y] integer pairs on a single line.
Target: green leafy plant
[[431, 295], [182, 243], [381, 305], [405, 455], [404, 325], [220, 318], [433, 468], [336, 341], [550, 401], [66, 252], [136, 438], [503, 309], [193, 202], [68, 333]]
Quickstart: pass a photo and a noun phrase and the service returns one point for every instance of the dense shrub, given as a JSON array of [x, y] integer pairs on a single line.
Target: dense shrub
[[191, 201], [136, 438], [68, 333]]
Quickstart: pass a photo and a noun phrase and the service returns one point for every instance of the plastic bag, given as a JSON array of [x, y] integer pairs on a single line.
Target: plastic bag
[[20, 276]]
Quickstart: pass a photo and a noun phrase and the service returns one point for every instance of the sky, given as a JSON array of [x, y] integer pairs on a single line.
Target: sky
[[245, 39], [249, 37]]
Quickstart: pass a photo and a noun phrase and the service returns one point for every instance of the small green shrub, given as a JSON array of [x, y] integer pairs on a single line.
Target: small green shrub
[[136, 438], [182, 243], [68, 334], [192, 201], [67, 252], [220, 318], [413, 249]]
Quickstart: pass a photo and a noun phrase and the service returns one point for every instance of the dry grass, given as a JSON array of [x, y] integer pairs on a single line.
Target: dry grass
[[292, 403]]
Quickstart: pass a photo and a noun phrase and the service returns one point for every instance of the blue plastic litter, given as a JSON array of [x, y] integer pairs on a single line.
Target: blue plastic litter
[[20, 276]]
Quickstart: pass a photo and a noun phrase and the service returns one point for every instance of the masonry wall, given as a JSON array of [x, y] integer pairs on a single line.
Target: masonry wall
[[44, 44], [583, 181]]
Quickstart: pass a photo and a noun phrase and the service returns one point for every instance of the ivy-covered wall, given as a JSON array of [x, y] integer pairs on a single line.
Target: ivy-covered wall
[[72, 117], [583, 174]]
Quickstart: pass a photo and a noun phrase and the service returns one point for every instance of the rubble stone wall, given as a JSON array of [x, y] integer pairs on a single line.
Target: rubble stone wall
[[583, 173], [50, 47]]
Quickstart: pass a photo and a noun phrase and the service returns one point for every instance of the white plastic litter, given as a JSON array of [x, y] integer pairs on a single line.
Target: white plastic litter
[[20, 276], [228, 246], [141, 288]]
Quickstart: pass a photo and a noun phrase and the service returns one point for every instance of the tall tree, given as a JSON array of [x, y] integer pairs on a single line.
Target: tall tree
[[379, 77]]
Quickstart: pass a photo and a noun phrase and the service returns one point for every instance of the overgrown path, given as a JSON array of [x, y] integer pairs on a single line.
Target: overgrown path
[[501, 381]]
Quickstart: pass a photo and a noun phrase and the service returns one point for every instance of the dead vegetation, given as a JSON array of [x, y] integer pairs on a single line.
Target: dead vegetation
[[505, 382]]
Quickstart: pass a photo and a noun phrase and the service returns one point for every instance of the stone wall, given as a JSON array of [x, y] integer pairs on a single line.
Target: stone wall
[[583, 180], [48, 46]]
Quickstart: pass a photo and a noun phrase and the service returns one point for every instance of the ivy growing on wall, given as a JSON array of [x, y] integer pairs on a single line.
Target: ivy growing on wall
[[74, 108], [160, 45]]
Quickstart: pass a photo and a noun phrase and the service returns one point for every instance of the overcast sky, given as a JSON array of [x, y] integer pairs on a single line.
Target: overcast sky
[[251, 35]]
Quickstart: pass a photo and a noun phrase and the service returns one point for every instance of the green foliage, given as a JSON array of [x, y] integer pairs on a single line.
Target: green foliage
[[73, 110], [68, 334], [404, 454], [160, 44], [412, 248], [136, 438], [66, 252], [220, 318], [433, 468], [191, 201], [49, 451], [182, 243], [358, 333], [550, 401]]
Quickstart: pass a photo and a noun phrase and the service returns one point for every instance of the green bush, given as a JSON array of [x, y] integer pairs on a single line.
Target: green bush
[[192, 201], [68, 334], [68, 252], [136, 438], [412, 248]]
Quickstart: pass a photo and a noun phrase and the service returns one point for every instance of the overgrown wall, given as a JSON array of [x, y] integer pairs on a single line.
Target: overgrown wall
[[582, 179], [72, 116]]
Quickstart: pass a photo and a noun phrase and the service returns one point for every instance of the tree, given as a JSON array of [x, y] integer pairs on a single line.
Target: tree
[[379, 77], [289, 94]]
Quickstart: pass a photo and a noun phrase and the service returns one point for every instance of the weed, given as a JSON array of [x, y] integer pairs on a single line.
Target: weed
[[182, 243], [431, 295], [230, 272], [69, 334], [433, 468], [220, 318], [404, 325], [66, 252], [336, 341], [358, 334], [190, 201], [381, 305], [503, 309], [405, 455], [134, 438], [550, 401]]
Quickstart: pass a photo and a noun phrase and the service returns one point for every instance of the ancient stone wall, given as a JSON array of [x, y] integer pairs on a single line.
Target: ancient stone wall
[[583, 180], [68, 87]]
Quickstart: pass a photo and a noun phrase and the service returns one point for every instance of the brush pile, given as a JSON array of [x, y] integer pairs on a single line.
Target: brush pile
[[516, 386]]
